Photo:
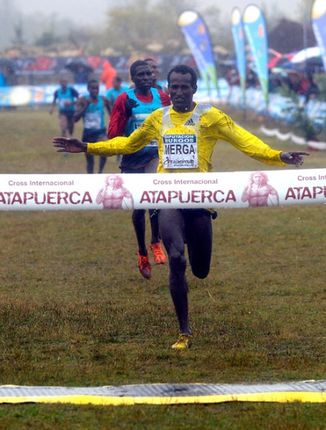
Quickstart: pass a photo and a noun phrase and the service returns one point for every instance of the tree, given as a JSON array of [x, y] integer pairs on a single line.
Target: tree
[[7, 12], [18, 39], [135, 25], [290, 36]]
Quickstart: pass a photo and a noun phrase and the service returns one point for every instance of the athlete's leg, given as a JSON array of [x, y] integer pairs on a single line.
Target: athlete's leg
[[172, 233], [89, 163], [63, 124], [101, 164], [138, 220], [153, 219], [151, 167], [70, 125], [102, 160], [198, 231], [144, 266]]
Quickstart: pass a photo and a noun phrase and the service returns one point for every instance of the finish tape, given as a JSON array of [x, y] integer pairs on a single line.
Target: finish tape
[[162, 191]]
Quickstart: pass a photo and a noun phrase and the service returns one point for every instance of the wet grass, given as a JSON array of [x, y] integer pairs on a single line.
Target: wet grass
[[74, 311]]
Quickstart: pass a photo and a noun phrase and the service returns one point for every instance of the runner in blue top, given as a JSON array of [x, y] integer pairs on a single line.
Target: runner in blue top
[[93, 109], [128, 113], [117, 89], [65, 98]]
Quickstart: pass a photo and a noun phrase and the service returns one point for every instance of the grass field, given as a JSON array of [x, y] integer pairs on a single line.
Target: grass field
[[74, 310]]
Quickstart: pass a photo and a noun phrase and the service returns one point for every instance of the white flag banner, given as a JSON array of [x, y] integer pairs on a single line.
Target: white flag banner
[[161, 191]]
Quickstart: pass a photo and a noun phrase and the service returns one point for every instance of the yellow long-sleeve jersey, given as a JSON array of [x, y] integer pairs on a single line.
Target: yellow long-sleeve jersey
[[186, 140]]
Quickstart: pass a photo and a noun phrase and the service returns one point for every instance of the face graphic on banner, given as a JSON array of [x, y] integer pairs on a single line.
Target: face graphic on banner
[[114, 195], [259, 192]]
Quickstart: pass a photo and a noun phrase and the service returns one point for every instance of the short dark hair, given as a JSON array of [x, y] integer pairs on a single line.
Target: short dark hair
[[183, 69], [136, 64], [92, 81], [150, 59]]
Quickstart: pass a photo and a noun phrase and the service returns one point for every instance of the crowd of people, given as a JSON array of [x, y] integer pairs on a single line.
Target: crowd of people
[[143, 120], [300, 83]]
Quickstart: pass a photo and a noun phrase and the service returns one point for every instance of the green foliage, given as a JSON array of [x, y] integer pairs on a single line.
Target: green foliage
[[47, 39], [142, 24], [301, 122], [305, 124], [321, 82], [19, 38]]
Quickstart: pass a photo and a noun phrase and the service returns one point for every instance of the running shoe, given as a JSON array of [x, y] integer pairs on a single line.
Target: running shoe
[[144, 266], [158, 253], [183, 342]]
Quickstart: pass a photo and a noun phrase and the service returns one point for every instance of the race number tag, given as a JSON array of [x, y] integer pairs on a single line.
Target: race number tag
[[180, 151], [92, 121], [64, 103]]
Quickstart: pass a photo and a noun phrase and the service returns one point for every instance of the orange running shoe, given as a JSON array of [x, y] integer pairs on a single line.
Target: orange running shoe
[[158, 253], [144, 266]]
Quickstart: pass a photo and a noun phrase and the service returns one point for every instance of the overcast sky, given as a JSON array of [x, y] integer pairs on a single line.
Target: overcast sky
[[93, 11]]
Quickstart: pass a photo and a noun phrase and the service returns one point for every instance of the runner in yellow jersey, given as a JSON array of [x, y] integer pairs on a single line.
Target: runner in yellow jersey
[[187, 134]]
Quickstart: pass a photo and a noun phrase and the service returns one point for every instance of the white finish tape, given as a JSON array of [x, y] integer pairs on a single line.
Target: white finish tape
[[143, 191]]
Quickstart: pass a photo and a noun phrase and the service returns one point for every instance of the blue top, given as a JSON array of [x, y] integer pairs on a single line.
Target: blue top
[[69, 94], [113, 93], [94, 116], [142, 110], [140, 158]]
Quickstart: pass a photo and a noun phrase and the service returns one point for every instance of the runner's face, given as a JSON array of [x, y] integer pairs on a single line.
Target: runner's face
[[63, 83], [181, 91], [143, 78], [117, 84], [93, 90], [154, 68]]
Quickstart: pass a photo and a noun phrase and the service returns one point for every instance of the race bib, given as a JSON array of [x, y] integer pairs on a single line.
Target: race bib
[[92, 121], [180, 151], [64, 104]]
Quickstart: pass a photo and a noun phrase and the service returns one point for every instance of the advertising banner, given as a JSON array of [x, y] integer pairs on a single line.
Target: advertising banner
[[318, 19], [240, 49], [161, 191], [256, 32], [198, 39]]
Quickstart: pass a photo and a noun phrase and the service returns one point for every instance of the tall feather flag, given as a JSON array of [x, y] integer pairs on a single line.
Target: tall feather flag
[[256, 32], [318, 18], [240, 49], [198, 40]]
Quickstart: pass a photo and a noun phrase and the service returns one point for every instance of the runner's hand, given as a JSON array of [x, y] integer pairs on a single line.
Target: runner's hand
[[129, 104], [296, 158], [65, 144]]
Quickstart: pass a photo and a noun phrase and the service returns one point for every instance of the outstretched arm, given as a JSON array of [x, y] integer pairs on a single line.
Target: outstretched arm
[[68, 144], [107, 105], [82, 105], [119, 145], [296, 158]]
